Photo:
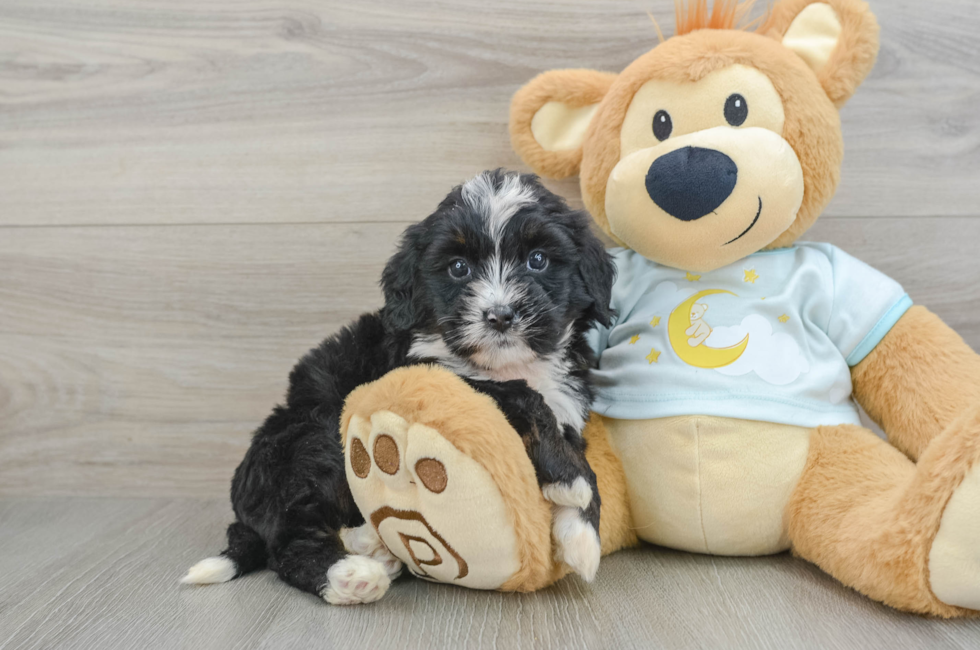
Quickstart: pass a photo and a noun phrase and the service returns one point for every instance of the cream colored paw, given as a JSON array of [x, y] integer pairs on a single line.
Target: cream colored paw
[[363, 540], [576, 542], [576, 495], [436, 509], [954, 559], [354, 580]]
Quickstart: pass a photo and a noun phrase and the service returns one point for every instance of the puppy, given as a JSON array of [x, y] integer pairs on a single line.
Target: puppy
[[500, 284]]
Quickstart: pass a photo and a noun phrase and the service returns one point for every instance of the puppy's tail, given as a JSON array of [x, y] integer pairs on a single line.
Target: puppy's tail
[[246, 552]]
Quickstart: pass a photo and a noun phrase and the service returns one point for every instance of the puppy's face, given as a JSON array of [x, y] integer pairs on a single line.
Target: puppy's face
[[500, 274]]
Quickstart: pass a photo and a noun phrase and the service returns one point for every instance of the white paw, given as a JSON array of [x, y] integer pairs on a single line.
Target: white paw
[[576, 495], [210, 571], [355, 579], [577, 542], [364, 540]]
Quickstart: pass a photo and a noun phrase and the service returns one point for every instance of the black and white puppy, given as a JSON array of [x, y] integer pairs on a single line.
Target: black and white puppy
[[500, 284]]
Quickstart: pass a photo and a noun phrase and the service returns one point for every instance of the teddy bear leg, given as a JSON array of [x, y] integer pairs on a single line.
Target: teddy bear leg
[[902, 533], [445, 482]]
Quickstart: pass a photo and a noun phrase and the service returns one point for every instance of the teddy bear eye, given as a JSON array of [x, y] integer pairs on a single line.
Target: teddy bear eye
[[736, 110], [662, 125]]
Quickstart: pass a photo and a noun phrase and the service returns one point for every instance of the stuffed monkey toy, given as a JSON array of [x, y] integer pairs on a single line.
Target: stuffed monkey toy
[[726, 420]]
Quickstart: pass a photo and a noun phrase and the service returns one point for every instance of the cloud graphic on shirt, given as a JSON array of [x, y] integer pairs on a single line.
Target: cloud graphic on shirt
[[775, 358], [667, 296]]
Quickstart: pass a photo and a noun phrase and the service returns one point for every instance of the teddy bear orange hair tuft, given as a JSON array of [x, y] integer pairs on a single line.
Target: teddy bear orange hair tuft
[[725, 14]]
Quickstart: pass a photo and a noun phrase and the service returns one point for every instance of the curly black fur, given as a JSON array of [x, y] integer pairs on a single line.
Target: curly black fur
[[290, 494]]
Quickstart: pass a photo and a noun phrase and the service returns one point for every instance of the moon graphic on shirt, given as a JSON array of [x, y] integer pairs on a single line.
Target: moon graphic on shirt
[[700, 356]]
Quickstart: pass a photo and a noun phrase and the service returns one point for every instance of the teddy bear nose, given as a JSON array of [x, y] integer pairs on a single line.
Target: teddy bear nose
[[691, 182]]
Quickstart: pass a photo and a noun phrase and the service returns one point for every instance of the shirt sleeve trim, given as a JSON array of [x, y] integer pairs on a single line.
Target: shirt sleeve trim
[[882, 327]]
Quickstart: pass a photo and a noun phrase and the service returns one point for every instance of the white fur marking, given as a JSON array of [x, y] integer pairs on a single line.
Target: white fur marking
[[576, 495], [364, 540], [549, 375], [354, 580], [210, 571], [577, 542], [497, 205]]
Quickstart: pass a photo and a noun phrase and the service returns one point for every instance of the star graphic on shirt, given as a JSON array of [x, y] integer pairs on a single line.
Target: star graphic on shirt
[[654, 356], [784, 318], [655, 321], [750, 276], [634, 339], [690, 277]]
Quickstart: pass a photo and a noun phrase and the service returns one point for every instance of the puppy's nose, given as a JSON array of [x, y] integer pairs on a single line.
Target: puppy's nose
[[691, 182], [500, 317]]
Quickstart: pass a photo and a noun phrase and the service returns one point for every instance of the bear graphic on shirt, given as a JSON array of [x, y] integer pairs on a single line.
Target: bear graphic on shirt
[[699, 330]]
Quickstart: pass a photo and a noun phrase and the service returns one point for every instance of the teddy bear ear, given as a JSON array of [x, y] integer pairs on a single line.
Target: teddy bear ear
[[838, 40], [550, 115]]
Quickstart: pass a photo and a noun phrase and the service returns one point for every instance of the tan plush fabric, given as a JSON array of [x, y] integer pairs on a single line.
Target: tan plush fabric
[[867, 515], [449, 410], [813, 35], [922, 357], [709, 484], [811, 127], [574, 89], [439, 534], [855, 54]]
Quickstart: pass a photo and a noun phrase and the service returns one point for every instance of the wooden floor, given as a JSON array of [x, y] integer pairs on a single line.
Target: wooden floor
[[100, 574], [193, 193]]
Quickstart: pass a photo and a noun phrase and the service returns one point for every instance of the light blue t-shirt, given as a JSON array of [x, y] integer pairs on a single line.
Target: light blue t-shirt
[[770, 338]]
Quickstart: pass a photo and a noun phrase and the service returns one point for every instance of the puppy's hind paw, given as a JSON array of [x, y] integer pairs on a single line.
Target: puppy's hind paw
[[578, 494], [577, 542], [355, 580]]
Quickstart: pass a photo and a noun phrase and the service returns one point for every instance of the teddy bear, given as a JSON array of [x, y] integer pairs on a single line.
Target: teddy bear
[[705, 161]]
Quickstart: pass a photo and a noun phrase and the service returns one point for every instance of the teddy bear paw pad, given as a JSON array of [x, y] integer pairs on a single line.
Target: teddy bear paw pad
[[954, 558], [436, 509]]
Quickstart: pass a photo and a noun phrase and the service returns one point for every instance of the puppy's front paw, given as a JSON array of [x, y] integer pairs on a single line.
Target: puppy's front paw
[[577, 542], [577, 494], [364, 540], [354, 580]]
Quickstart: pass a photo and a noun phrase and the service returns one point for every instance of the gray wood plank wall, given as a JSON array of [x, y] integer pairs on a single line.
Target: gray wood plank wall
[[194, 193]]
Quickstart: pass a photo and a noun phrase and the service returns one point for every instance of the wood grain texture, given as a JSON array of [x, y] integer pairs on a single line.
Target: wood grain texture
[[194, 192], [230, 111], [102, 574], [137, 360]]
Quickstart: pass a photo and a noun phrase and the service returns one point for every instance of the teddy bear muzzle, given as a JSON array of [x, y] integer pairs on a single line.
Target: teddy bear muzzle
[[703, 200]]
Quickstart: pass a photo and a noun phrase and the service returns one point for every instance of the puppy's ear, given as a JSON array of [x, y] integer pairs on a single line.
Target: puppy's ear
[[399, 282], [597, 270]]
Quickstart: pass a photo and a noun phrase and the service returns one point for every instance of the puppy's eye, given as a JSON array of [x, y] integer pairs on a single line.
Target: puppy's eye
[[537, 261], [459, 269], [736, 110], [662, 125]]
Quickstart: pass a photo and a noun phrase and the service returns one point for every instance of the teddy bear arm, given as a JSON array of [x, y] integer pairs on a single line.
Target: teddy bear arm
[[918, 380]]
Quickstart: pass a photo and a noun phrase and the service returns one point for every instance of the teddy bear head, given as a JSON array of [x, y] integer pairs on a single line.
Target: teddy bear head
[[717, 143]]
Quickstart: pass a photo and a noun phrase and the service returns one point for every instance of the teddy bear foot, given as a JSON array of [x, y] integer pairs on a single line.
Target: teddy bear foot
[[954, 556], [436, 509]]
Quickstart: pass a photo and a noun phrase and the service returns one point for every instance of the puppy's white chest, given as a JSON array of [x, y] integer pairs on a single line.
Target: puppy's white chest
[[550, 378]]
